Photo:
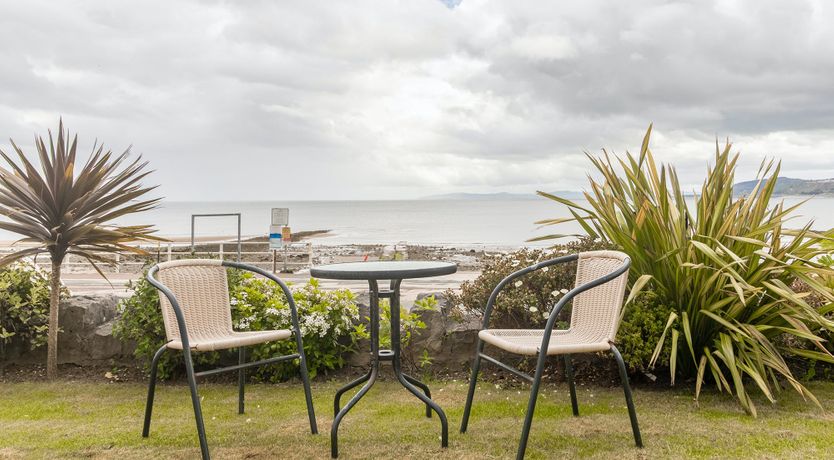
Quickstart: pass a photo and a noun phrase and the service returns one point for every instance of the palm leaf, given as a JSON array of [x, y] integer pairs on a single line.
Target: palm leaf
[[725, 265], [63, 209]]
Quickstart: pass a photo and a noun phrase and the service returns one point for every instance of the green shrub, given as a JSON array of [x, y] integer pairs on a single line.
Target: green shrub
[[326, 320], [725, 267], [410, 321], [641, 328], [526, 303], [24, 307]]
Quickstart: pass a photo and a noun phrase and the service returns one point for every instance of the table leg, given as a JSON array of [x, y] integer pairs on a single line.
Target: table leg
[[334, 430], [423, 387], [347, 388], [395, 346], [370, 377]]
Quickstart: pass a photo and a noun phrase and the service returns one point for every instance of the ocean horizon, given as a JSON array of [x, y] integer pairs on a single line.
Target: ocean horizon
[[498, 222], [491, 223]]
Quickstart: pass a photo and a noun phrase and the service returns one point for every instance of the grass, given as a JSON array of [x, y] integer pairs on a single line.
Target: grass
[[70, 419]]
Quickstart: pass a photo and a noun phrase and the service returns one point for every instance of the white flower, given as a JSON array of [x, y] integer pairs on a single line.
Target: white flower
[[563, 291], [315, 323], [556, 293], [545, 269], [518, 283], [534, 309]]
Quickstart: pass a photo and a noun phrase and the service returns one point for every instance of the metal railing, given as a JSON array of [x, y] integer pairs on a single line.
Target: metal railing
[[292, 256]]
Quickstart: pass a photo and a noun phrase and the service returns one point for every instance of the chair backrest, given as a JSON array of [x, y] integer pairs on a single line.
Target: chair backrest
[[202, 291], [595, 314]]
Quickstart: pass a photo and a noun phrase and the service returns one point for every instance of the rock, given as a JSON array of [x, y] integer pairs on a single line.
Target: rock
[[450, 341], [86, 335]]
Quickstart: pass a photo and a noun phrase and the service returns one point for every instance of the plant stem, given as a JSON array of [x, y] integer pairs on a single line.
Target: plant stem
[[52, 339]]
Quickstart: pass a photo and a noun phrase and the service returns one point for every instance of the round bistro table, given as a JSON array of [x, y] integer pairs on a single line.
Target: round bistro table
[[395, 272]]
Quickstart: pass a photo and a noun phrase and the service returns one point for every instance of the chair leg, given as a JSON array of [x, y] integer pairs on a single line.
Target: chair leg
[[473, 382], [531, 407], [241, 379], [146, 428], [632, 413], [305, 378], [195, 401], [569, 375]]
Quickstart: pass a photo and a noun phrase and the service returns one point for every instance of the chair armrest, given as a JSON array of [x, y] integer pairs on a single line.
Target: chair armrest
[[284, 287], [514, 275], [174, 304], [551, 320]]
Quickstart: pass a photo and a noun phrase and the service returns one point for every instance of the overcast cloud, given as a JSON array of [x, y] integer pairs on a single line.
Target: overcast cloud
[[396, 99]]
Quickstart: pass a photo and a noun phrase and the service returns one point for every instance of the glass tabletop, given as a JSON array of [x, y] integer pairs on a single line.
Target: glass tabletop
[[383, 270]]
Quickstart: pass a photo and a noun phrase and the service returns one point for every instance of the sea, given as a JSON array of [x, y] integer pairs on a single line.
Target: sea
[[459, 222], [454, 222]]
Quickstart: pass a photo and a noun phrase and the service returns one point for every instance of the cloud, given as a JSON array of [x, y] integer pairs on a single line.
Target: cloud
[[319, 100]]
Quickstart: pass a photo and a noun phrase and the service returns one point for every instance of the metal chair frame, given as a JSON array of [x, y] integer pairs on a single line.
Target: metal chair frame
[[240, 367], [542, 355]]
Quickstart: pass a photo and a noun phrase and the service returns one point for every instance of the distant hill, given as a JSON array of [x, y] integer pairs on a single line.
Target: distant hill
[[498, 196], [791, 186]]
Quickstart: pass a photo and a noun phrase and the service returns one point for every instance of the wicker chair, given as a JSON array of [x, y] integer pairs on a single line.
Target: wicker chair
[[601, 278], [194, 297]]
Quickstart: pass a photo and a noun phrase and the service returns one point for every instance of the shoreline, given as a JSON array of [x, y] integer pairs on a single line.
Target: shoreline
[[317, 238], [293, 263]]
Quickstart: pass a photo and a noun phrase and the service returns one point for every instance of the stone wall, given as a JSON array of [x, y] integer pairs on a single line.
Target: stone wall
[[87, 339], [87, 335]]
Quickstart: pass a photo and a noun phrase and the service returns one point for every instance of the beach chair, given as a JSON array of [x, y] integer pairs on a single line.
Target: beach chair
[[597, 298], [194, 298]]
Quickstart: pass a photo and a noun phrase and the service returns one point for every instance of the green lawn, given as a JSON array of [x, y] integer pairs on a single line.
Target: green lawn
[[76, 419]]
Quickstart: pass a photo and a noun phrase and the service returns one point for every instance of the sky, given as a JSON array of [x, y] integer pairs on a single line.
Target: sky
[[387, 99]]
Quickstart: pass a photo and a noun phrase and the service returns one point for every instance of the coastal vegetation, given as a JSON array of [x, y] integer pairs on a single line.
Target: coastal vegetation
[[65, 208], [24, 308], [726, 268]]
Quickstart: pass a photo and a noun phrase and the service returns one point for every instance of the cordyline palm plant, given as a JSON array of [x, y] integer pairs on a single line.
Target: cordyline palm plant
[[62, 210], [726, 266]]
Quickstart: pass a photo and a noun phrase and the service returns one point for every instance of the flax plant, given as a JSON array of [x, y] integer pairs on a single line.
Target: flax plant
[[726, 265], [61, 209]]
